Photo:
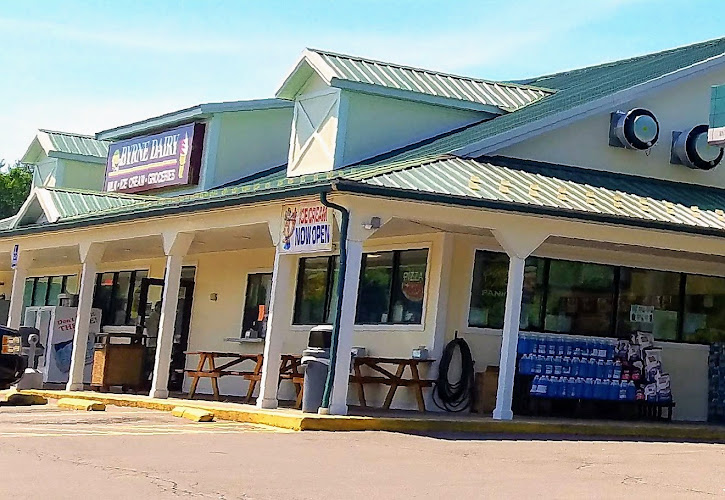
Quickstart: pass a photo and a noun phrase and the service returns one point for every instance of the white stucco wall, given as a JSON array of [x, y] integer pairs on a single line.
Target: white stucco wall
[[585, 142], [226, 275]]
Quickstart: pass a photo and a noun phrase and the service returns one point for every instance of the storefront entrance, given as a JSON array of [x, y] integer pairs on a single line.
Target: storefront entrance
[[151, 293]]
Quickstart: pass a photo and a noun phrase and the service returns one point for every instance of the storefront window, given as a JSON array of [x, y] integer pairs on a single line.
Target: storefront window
[[315, 287], [44, 291], [55, 287], [488, 293], [704, 318], [256, 303], [133, 316], [117, 296], [28, 293], [580, 298], [392, 287], [70, 285], [373, 303], [41, 290], [648, 302]]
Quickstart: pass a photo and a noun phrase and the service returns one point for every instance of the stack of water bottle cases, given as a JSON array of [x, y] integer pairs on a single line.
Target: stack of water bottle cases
[[591, 368], [717, 382]]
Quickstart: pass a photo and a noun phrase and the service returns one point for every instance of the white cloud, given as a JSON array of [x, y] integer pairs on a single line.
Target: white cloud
[[494, 36]]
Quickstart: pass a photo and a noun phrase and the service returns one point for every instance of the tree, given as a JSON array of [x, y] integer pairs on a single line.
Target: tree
[[15, 185]]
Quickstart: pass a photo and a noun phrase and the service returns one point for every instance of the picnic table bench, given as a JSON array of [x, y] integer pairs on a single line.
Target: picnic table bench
[[290, 369], [387, 377]]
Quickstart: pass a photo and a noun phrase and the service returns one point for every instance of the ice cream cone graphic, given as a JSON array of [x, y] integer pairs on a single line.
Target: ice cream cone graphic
[[184, 151]]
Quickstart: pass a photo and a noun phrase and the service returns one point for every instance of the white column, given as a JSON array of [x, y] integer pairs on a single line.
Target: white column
[[519, 243], [90, 254], [277, 325], [440, 288], [17, 292], [512, 314], [338, 399], [175, 247]]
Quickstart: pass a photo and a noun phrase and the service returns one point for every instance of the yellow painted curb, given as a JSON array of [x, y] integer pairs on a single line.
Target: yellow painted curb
[[81, 404], [193, 414], [444, 423], [18, 399]]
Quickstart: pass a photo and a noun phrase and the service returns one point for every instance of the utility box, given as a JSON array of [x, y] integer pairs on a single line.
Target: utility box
[[486, 385]]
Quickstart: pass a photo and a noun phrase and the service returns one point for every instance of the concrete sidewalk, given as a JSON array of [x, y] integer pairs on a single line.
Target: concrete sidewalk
[[413, 422]]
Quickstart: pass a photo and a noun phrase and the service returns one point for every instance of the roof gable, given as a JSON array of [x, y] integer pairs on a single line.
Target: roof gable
[[51, 205], [67, 145], [406, 82]]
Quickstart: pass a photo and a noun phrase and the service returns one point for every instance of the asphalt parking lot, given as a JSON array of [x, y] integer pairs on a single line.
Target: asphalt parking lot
[[133, 453]]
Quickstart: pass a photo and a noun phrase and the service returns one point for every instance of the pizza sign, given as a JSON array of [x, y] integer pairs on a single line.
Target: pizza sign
[[413, 285]]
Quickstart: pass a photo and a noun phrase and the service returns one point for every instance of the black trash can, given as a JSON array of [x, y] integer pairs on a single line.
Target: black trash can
[[316, 359]]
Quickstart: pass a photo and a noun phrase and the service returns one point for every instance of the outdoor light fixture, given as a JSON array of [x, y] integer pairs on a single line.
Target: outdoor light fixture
[[373, 224]]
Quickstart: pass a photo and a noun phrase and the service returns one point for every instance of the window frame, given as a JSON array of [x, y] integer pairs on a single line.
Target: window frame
[[421, 245], [393, 281], [328, 285], [251, 272], [51, 278], [106, 308], [682, 276]]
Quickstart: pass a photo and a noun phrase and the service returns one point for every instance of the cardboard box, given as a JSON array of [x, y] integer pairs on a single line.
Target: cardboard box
[[486, 387]]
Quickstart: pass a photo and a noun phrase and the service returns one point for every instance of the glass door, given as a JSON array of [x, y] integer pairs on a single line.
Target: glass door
[[150, 301]]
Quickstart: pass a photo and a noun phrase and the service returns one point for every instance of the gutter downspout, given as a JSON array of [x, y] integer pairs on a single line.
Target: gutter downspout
[[324, 409]]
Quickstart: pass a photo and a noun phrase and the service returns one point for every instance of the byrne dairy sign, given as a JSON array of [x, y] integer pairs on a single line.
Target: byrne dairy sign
[[306, 228], [171, 158]]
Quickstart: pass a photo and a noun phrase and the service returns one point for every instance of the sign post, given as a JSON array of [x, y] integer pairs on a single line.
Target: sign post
[[14, 257]]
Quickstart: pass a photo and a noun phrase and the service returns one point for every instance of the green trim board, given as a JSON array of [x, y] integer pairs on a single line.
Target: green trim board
[[496, 183], [187, 115]]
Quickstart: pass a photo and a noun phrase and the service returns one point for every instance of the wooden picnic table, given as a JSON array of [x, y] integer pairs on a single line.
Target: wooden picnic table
[[387, 377], [290, 369]]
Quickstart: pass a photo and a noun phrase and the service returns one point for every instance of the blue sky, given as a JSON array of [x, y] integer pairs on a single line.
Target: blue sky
[[84, 65]]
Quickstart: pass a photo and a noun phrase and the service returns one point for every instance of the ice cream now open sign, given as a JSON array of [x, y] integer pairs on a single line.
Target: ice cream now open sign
[[171, 158]]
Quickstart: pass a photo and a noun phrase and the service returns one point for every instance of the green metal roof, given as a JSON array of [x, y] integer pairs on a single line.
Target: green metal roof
[[573, 88], [337, 68], [71, 203], [7, 223], [567, 189], [75, 144]]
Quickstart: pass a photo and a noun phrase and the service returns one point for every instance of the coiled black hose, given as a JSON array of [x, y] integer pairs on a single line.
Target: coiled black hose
[[454, 396]]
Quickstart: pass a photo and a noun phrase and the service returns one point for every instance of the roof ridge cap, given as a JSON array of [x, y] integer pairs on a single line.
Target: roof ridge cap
[[431, 71], [712, 41], [73, 134]]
